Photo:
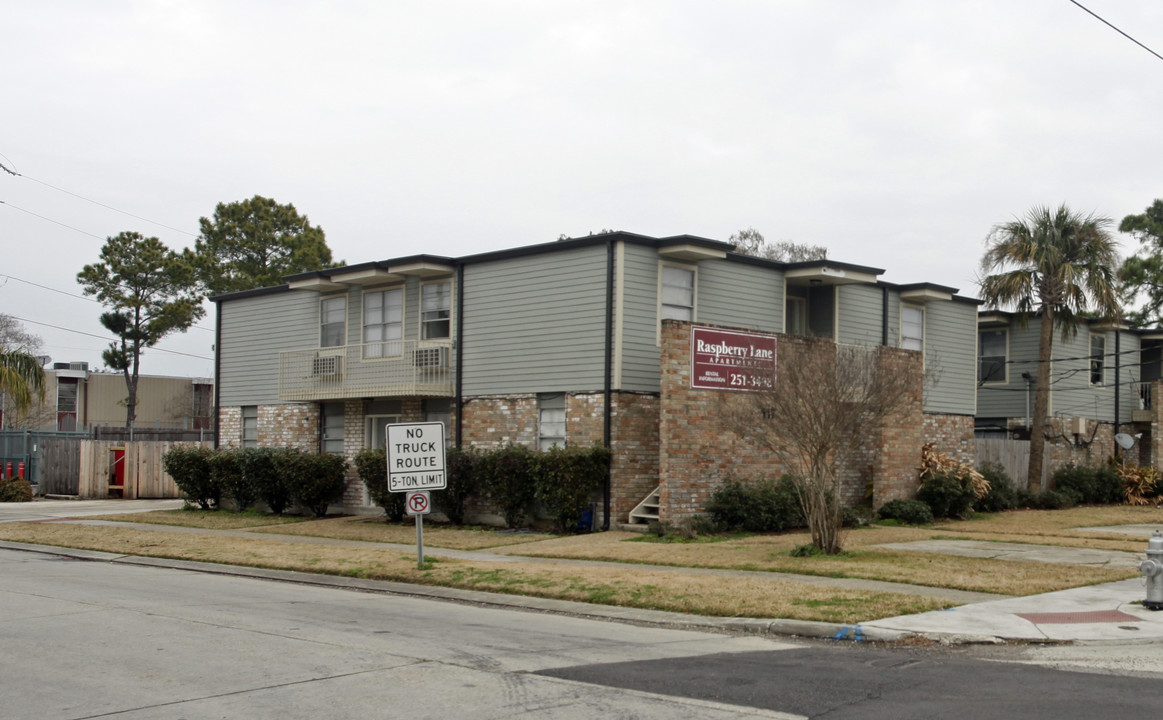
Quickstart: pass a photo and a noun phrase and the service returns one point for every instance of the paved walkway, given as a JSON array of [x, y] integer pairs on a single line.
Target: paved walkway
[[1111, 612]]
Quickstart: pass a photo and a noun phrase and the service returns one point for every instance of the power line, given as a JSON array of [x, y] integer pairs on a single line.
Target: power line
[[1112, 27], [108, 207], [79, 297], [105, 337], [42, 217]]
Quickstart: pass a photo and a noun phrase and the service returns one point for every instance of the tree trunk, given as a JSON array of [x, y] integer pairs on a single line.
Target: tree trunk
[[1041, 402]]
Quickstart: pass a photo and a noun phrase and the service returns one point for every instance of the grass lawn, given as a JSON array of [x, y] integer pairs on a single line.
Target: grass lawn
[[629, 587], [208, 519], [374, 529]]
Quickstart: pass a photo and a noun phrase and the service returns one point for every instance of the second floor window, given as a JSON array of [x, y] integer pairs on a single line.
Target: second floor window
[[912, 328], [1097, 359], [332, 321], [435, 311], [991, 356], [383, 323], [678, 293]]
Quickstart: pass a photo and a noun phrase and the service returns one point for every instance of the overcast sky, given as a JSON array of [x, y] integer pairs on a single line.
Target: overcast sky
[[893, 133]]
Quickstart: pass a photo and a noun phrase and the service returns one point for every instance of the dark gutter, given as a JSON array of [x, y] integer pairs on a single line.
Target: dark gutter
[[884, 315], [1118, 387], [459, 352], [609, 381], [217, 369], [256, 292]]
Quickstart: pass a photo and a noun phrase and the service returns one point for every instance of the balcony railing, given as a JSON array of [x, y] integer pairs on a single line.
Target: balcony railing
[[383, 369], [1143, 412]]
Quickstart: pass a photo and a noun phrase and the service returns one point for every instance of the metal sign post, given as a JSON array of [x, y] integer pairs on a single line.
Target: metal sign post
[[419, 505], [416, 465]]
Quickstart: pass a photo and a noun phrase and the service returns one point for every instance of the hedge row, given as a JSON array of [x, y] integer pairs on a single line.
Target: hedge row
[[512, 478], [279, 477]]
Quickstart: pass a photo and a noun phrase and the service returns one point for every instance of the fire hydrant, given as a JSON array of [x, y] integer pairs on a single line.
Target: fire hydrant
[[1152, 569]]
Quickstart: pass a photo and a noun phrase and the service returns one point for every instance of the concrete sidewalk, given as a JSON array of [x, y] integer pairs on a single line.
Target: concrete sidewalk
[[1111, 612]]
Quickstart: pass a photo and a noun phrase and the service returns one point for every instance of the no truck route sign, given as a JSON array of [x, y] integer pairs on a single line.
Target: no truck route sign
[[416, 457]]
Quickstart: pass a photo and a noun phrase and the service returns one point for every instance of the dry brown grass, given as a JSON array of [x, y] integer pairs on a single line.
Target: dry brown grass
[[629, 587], [770, 553], [208, 519], [374, 529]]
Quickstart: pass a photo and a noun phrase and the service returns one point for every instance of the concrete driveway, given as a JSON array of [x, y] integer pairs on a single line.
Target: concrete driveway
[[41, 509]]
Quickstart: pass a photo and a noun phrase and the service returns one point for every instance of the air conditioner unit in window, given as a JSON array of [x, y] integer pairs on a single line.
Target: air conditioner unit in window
[[327, 366], [430, 357]]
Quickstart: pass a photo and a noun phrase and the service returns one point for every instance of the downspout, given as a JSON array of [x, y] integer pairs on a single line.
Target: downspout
[[884, 315], [1118, 389], [459, 350], [609, 380], [217, 369]]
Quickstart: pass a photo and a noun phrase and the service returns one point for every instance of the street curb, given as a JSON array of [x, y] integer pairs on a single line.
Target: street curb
[[750, 626]]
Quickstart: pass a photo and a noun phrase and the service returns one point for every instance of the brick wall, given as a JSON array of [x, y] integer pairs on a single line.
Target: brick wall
[[293, 425], [229, 427], [634, 445], [898, 455], [953, 435], [1090, 448], [354, 494], [492, 420], [696, 453]]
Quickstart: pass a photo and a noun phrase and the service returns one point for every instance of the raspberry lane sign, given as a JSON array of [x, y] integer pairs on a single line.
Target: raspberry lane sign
[[731, 360], [416, 457]]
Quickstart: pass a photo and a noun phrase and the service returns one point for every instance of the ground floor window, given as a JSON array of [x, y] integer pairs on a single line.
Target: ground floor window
[[249, 437], [331, 430], [376, 430], [551, 420]]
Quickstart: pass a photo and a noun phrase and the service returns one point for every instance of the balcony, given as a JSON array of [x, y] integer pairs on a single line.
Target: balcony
[[1143, 413], [384, 369]]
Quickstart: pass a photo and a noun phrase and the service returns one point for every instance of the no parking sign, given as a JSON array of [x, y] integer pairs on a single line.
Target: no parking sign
[[418, 503]]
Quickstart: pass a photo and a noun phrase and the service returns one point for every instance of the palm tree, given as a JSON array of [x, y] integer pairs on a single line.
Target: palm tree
[[1054, 264], [22, 378]]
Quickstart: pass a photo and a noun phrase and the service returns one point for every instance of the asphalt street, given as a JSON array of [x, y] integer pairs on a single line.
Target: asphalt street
[[86, 639]]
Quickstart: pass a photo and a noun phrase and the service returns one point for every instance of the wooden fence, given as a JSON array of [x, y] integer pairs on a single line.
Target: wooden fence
[[109, 468], [1013, 455]]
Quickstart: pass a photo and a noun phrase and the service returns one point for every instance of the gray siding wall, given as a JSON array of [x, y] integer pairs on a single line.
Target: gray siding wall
[[951, 354], [1074, 395], [254, 331], [743, 296], [640, 353], [860, 318], [535, 323], [1008, 399]]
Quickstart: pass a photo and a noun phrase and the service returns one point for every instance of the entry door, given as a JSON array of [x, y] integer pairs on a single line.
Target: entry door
[[375, 433]]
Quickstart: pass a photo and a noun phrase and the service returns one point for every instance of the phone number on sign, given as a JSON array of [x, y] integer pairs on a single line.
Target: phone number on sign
[[750, 381]]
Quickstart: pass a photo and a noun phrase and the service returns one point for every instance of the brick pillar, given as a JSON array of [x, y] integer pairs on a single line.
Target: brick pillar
[[897, 458]]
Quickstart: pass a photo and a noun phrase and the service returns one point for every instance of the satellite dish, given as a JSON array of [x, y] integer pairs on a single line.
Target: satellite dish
[[1125, 441], [43, 359]]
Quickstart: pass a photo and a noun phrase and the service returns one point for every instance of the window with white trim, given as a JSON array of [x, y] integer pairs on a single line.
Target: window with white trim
[[331, 430], [435, 310], [991, 356], [678, 293], [383, 323], [1097, 359], [912, 327], [550, 420], [249, 435], [332, 321]]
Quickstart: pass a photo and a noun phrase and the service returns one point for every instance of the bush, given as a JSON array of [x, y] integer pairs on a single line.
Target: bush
[[226, 471], [1054, 500], [762, 506], [947, 495], [910, 512], [1001, 495], [15, 489], [372, 467], [507, 482], [189, 466], [261, 469], [564, 480], [1091, 485], [314, 480], [462, 472]]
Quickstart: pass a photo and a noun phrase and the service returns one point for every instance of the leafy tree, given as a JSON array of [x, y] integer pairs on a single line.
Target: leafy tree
[[150, 293], [1058, 265], [1142, 273], [13, 336], [254, 243], [21, 379], [751, 242]]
